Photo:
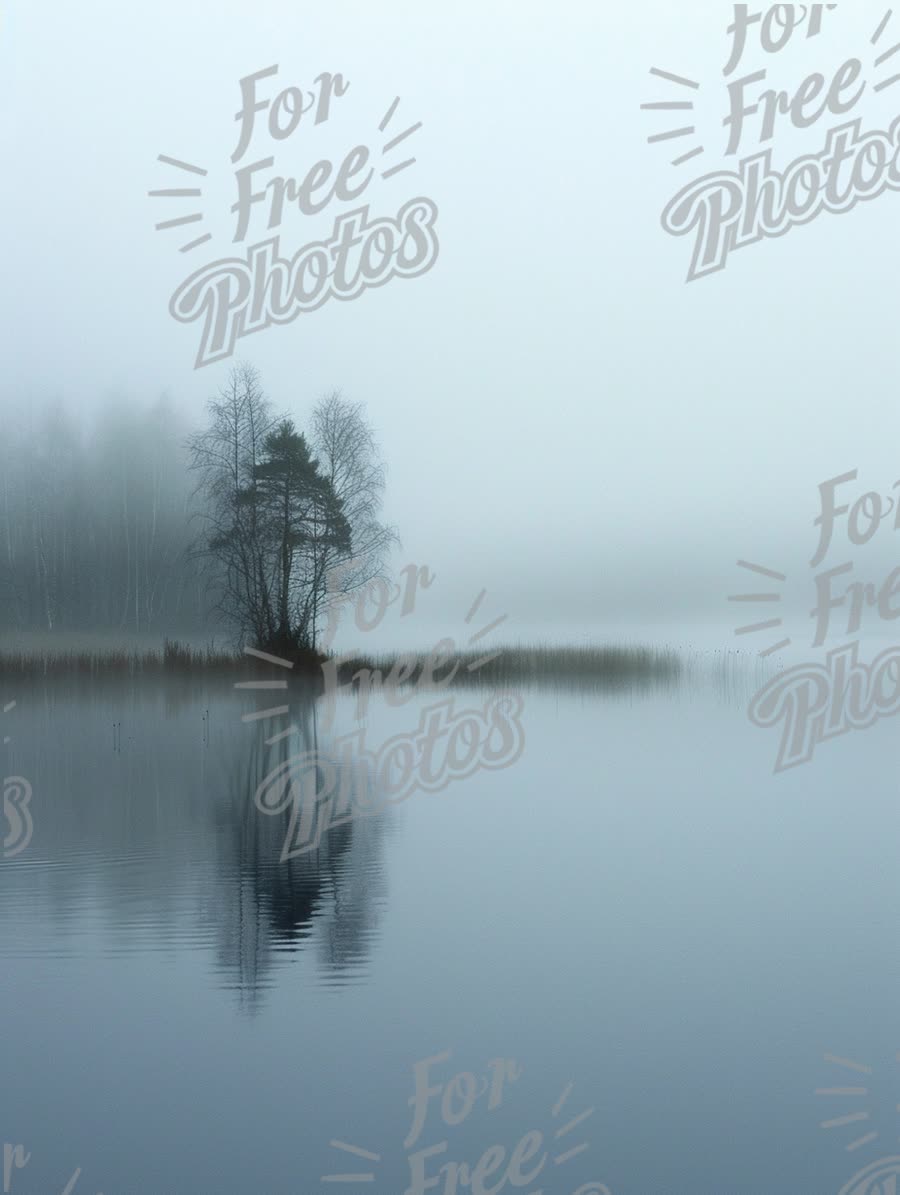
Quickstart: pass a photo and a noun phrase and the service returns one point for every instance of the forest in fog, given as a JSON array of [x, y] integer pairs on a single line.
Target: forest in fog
[[95, 521], [131, 520]]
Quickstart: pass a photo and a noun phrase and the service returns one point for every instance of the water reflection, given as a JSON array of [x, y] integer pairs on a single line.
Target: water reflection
[[637, 906], [146, 838]]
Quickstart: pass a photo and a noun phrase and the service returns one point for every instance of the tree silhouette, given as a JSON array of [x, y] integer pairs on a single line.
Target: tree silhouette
[[301, 516]]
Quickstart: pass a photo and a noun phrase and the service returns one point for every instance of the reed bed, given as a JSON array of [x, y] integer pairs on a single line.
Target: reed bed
[[530, 665], [550, 667]]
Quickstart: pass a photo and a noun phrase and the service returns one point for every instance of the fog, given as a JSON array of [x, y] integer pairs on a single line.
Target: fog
[[565, 421], [576, 791]]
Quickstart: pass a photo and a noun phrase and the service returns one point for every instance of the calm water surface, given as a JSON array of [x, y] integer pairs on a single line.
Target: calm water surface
[[638, 912]]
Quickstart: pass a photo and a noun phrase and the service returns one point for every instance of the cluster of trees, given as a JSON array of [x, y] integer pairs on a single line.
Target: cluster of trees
[[138, 524], [281, 509]]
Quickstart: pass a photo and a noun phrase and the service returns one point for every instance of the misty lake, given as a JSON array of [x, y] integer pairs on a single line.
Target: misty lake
[[636, 938]]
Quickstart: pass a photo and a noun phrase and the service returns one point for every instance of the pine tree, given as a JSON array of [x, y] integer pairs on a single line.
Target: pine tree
[[299, 512]]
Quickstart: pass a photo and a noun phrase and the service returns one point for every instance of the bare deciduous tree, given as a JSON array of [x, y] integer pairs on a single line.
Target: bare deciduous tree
[[350, 460], [226, 455]]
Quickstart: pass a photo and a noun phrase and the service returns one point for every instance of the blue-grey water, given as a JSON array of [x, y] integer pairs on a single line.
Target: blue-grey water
[[636, 920]]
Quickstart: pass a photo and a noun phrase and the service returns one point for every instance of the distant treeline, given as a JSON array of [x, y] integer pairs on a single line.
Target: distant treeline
[[95, 522], [131, 521]]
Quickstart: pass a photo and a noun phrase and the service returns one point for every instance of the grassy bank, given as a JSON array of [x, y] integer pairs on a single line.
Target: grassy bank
[[521, 665]]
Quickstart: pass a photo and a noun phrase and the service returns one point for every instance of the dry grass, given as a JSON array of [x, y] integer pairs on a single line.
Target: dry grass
[[524, 665], [173, 659], [547, 667]]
